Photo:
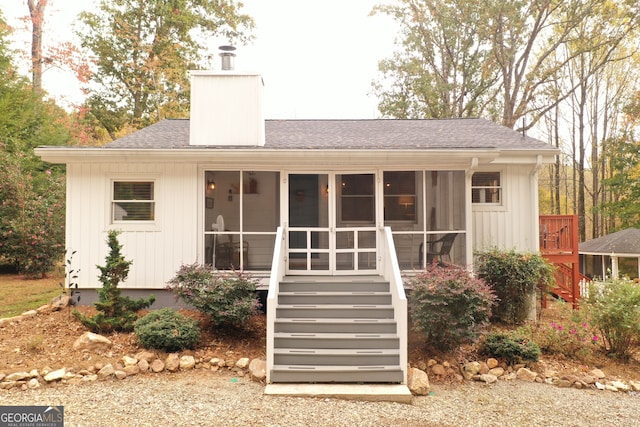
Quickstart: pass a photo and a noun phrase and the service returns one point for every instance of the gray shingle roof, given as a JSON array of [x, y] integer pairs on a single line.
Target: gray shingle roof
[[621, 242], [353, 134]]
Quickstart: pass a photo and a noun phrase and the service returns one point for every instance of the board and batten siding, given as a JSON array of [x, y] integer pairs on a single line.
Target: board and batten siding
[[157, 251], [514, 224]]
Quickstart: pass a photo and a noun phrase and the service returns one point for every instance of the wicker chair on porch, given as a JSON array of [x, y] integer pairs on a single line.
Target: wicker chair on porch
[[439, 249]]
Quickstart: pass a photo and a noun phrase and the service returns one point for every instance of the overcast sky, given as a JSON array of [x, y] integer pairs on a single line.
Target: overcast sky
[[317, 58]]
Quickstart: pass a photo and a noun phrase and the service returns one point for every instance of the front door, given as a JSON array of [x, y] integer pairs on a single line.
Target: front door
[[332, 228]]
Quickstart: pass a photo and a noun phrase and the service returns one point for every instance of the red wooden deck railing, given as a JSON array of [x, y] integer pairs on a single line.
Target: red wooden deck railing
[[559, 246]]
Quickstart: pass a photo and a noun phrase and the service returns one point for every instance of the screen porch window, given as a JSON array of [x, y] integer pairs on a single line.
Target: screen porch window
[[400, 196], [486, 188], [133, 201]]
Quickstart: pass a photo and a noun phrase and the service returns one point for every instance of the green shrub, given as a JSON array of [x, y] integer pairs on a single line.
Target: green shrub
[[449, 306], [115, 312], [228, 297], [514, 349], [514, 277], [167, 330], [614, 309]]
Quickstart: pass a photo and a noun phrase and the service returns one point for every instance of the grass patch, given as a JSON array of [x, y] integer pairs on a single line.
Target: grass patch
[[19, 294]]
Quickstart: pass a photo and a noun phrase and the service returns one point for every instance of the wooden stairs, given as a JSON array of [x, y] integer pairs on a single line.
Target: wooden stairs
[[335, 330]]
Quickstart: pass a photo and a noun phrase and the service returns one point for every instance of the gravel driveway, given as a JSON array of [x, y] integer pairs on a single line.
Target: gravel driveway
[[201, 398]]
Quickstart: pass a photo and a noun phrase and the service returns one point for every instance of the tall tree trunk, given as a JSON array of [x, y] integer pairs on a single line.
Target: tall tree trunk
[[36, 12]]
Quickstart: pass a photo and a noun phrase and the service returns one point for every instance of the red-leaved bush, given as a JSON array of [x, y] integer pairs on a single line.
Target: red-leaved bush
[[449, 306]]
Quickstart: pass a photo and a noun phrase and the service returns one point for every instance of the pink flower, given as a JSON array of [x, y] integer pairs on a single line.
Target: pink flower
[[594, 338], [573, 331], [560, 328]]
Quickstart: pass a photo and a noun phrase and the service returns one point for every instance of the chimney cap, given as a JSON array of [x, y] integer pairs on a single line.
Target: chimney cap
[[227, 56]]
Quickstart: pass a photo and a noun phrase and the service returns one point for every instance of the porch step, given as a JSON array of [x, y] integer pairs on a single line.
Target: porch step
[[335, 340], [335, 330], [306, 283], [319, 311], [338, 298], [336, 374], [361, 392], [327, 357], [336, 325]]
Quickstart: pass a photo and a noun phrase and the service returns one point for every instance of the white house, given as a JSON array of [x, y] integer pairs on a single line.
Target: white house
[[315, 208]]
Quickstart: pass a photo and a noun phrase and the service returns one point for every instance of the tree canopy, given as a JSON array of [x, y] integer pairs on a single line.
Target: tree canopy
[[143, 50]]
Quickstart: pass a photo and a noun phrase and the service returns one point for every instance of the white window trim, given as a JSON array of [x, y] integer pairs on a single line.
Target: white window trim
[[491, 207], [152, 225]]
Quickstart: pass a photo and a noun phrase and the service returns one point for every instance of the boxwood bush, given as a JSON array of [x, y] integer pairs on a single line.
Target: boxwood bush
[[168, 330]]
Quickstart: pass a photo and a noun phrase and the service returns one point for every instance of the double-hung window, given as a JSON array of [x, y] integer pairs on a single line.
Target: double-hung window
[[133, 201], [486, 188]]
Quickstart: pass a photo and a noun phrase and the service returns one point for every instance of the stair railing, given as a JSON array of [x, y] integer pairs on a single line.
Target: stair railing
[[391, 272], [277, 273]]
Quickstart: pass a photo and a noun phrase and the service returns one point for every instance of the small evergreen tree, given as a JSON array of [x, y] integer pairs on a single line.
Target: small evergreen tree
[[115, 312]]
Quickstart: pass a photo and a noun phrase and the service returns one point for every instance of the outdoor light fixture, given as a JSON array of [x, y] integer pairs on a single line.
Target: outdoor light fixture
[[211, 185]]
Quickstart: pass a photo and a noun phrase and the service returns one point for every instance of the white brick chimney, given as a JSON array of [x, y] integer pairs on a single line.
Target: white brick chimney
[[226, 106]]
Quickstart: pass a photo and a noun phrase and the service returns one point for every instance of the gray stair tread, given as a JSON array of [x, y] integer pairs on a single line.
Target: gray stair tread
[[335, 351], [333, 335], [333, 293], [335, 368], [336, 306], [332, 279], [338, 320]]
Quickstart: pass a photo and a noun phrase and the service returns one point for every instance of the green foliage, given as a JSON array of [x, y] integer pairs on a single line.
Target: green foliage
[[572, 338], [449, 306], [514, 349], [623, 184], [143, 52], [514, 277], [32, 216], [167, 330], [115, 312], [445, 68], [229, 298], [614, 309], [31, 192]]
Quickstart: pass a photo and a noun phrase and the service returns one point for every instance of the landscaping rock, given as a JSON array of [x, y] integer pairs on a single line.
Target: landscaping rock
[[497, 371], [120, 374], [92, 342], [129, 361], [157, 366], [107, 371], [525, 374], [131, 370], [418, 382], [33, 383], [597, 374], [55, 375], [492, 363], [172, 362], [146, 356], [60, 302], [438, 369], [17, 376], [486, 378], [242, 363], [258, 370], [187, 362], [470, 369], [143, 365]]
